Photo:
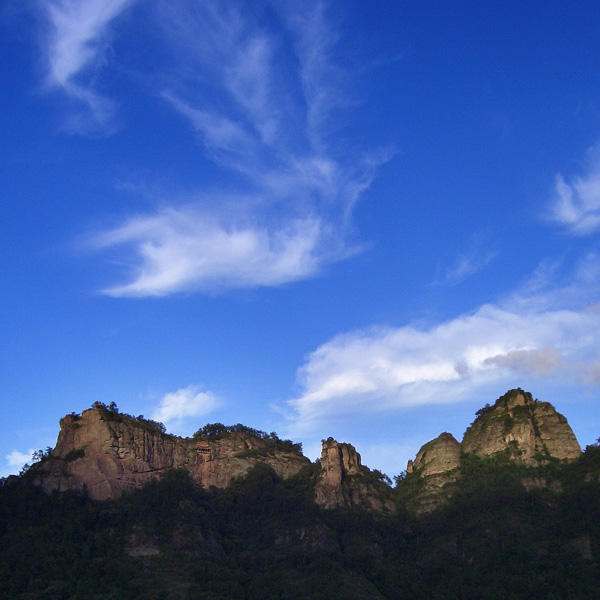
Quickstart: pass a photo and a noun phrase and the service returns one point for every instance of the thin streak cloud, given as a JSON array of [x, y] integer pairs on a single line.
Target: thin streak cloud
[[292, 216], [466, 265], [468, 262], [75, 44]]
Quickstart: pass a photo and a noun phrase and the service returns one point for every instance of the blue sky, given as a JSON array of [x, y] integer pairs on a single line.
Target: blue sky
[[362, 220]]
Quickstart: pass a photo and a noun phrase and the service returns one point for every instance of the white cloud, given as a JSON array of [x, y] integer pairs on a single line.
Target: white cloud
[[17, 459], [383, 368], [576, 205], [184, 403], [466, 265], [296, 195], [76, 44], [188, 251]]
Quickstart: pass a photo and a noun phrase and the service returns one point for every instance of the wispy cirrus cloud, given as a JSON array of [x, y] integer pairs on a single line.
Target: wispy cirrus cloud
[[260, 97], [384, 368], [324, 84], [576, 204], [75, 44], [468, 263], [184, 250]]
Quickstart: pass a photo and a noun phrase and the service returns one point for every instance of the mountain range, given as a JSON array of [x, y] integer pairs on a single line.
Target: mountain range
[[120, 508]]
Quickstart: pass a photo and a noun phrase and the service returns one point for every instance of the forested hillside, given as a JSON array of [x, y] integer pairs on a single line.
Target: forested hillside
[[502, 536]]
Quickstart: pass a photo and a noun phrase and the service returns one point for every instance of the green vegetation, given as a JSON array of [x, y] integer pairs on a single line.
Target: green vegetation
[[264, 537], [483, 414], [111, 413], [483, 410], [216, 431], [75, 454]]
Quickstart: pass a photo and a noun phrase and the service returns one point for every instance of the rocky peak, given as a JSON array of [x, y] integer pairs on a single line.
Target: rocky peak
[[435, 457], [343, 481], [525, 430], [109, 453], [528, 430], [435, 466], [338, 460]]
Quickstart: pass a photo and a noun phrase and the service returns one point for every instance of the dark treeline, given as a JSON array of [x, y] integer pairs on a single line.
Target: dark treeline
[[215, 431], [210, 431], [264, 537], [112, 413]]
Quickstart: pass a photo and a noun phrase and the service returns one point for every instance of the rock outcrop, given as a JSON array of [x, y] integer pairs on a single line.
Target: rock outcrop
[[435, 466], [344, 481], [435, 457], [108, 453], [338, 462], [517, 427], [528, 430]]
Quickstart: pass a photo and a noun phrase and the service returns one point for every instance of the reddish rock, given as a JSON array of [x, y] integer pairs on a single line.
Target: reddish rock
[[108, 453]]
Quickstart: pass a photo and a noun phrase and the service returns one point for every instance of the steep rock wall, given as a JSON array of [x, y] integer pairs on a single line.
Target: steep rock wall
[[435, 465], [344, 481], [109, 455]]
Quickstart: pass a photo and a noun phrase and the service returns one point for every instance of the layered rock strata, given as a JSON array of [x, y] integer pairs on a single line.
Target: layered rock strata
[[344, 481], [109, 454]]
